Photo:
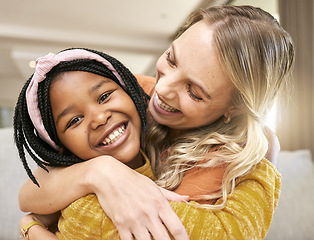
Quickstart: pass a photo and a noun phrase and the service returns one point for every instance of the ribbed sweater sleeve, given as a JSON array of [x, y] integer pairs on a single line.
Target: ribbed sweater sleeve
[[248, 212], [247, 215]]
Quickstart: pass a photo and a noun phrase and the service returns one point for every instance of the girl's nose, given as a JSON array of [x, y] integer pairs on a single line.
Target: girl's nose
[[99, 118]]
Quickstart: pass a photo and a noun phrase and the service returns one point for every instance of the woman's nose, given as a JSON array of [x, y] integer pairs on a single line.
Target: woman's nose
[[99, 118], [168, 86]]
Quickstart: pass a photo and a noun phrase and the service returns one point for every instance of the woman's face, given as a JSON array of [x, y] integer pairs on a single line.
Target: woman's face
[[94, 116], [191, 90]]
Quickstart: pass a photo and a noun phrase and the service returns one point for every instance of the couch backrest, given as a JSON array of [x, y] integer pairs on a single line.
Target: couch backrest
[[12, 176]]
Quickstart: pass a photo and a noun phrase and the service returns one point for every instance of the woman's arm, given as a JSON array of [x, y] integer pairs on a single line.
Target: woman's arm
[[114, 181], [58, 188], [248, 212], [247, 215]]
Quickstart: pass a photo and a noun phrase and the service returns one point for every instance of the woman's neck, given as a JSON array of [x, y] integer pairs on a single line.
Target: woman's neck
[[175, 133]]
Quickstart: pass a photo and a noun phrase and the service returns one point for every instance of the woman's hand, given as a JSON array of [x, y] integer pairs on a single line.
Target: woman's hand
[[134, 203]]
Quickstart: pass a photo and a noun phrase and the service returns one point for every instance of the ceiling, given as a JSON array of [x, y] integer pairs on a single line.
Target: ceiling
[[134, 31]]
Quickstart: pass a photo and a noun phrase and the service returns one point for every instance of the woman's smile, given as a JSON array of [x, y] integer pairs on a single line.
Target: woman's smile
[[162, 107], [192, 89]]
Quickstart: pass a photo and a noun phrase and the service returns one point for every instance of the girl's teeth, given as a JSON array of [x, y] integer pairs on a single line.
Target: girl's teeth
[[114, 136]]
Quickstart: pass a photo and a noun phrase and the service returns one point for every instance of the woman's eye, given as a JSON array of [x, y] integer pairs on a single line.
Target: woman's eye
[[103, 98], [74, 121], [169, 60], [193, 95]]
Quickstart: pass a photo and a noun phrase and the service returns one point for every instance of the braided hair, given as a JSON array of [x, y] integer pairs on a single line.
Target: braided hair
[[25, 134]]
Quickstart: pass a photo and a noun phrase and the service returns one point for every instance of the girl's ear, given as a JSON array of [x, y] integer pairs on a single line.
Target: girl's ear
[[61, 150], [64, 151]]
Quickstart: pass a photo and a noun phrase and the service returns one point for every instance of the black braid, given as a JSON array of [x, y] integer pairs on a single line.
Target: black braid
[[25, 134]]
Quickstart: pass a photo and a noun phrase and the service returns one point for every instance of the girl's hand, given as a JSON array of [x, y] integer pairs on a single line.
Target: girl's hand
[[37, 231], [273, 146], [135, 204]]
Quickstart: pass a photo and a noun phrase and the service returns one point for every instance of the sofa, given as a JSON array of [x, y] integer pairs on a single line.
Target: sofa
[[293, 219]]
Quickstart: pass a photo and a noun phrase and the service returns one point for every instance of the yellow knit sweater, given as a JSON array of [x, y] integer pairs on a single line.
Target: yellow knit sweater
[[247, 215]]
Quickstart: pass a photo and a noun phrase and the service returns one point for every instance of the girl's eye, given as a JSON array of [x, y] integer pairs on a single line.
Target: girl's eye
[[74, 121], [169, 60], [192, 95], [104, 98]]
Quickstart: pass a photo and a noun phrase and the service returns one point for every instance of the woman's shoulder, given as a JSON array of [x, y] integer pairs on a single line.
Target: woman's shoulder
[[264, 170], [146, 82], [263, 177]]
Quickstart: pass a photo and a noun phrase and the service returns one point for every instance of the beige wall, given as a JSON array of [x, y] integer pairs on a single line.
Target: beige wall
[[295, 127], [296, 130], [270, 6]]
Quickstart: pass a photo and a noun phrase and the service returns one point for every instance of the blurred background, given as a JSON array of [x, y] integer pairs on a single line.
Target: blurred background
[[137, 32]]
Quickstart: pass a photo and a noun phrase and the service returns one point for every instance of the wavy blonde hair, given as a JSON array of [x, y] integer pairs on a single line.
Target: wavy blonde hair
[[257, 55]]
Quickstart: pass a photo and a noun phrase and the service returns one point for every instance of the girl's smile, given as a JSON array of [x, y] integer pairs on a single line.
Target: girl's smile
[[113, 136], [94, 116]]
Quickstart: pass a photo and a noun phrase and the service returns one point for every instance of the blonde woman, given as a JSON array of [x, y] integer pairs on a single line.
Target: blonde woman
[[215, 86]]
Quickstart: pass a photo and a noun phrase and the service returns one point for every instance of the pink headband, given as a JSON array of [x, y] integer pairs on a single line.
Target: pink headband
[[43, 66]]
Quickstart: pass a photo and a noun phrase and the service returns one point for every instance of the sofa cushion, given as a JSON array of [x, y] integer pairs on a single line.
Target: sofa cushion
[[13, 176], [293, 219], [294, 216]]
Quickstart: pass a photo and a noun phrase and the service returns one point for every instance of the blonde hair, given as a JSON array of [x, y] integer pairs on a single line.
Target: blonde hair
[[257, 55]]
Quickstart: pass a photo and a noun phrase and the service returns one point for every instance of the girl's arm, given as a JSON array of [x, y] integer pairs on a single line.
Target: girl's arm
[[273, 146], [117, 184]]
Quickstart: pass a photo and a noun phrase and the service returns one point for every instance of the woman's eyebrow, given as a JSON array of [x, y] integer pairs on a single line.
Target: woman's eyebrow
[[196, 83], [172, 46], [203, 89]]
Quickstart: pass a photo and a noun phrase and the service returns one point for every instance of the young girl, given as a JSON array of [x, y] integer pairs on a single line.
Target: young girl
[[215, 85], [97, 109]]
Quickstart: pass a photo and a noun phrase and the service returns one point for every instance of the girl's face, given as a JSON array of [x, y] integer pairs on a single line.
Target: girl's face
[[94, 116], [191, 90]]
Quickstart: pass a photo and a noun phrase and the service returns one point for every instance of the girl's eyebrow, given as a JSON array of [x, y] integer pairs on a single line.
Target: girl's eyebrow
[[63, 113], [97, 86], [91, 90]]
